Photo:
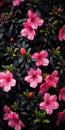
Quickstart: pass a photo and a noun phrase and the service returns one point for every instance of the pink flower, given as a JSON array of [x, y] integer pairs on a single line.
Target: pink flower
[[62, 33], [52, 79], [61, 117], [14, 121], [44, 87], [7, 81], [32, 23], [41, 58], [62, 94], [28, 31], [49, 103], [34, 19], [16, 2], [34, 77]]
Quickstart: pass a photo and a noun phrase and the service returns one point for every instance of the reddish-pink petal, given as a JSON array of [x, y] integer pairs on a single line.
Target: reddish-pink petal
[[42, 105]]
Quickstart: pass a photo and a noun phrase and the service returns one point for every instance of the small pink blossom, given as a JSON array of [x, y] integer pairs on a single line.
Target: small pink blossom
[[61, 117], [49, 103], [44, 87], [34, 77], [41, 58], [62, 33], [7, 81], [52, 79], [62, 94], [28, 31], [14, 121], [16, 2], [34, 19]]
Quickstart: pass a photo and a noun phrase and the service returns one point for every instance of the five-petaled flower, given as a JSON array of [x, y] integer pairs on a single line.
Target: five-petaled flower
[[34, 77], [7, 81], [52, 79], [34, 19], [14, 121], [62, 94], [49, 103], [62, 33], [41, 58]]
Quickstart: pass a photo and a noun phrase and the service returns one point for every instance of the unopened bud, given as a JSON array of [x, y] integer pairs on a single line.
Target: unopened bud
[[59, 10], [58, 48], [30, 94], [23, 51], [11, 39]]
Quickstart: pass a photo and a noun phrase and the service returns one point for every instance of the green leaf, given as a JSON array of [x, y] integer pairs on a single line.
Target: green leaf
[[37, 120], [9, 49], [26, 94], [8, 67], [44, 114], [46, 121], [15, 106], [15, 50]]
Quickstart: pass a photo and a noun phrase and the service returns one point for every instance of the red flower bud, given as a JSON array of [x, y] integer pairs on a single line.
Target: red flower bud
[[11, 39], [59, 10], [30, 94], [23, 51]]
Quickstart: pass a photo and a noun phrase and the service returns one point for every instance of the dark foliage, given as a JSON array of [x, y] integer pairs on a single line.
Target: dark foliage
[[18, 99]]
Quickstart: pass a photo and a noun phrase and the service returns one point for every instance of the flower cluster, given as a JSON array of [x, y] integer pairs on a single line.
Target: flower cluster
[[31, 25], [34, 77], [32, 64]]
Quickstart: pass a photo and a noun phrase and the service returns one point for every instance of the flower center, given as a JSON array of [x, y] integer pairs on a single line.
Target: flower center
[[48, 103], [63, 31], [8, 79], [34, 76], [30, 28], [39, 57], [32, 20]]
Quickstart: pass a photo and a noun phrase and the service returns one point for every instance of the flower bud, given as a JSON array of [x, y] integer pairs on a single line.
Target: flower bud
[[30, 94], [11, 39], [23, 51], [59, 10]]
